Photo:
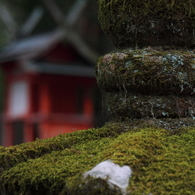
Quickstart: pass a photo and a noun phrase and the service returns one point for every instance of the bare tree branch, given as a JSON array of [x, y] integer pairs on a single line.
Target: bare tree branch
[[84, 49], [32, 21], [71, 17], [66, 24], [55, 11], [76, 12], [7, 19]]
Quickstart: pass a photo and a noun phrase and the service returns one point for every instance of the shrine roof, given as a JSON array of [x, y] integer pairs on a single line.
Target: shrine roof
[[30, 47], [35, 46], [69, 69]]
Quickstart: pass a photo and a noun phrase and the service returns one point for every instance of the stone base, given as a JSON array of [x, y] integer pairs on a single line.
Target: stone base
[[151, 85], [170, 124], [135, 106]]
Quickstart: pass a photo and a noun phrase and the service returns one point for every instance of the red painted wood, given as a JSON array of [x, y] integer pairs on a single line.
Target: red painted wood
[[28, 132], [62, 54], [7, 134], [53, 99], [88, 104], [44, 103]]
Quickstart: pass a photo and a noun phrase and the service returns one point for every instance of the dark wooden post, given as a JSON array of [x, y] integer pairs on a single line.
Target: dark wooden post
[[151, 78]]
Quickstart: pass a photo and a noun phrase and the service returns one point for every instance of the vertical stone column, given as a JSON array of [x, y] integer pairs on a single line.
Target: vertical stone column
[[151, 78]]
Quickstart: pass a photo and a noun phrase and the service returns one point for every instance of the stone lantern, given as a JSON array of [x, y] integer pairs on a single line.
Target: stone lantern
[[151, 78], [150, 81]]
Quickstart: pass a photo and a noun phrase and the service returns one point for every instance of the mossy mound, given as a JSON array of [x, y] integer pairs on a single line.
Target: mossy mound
[[131, 23], [162, 163]]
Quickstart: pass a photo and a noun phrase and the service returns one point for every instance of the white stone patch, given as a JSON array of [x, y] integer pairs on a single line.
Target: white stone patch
[[113, 173]]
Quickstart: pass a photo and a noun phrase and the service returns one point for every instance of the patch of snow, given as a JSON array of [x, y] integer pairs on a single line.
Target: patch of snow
[[113, 173]]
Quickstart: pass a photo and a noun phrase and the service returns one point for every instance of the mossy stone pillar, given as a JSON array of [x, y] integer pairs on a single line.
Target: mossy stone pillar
[[151, 78]]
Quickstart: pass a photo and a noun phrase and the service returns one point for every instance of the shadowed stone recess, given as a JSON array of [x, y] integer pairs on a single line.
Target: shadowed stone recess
[[135, 106]]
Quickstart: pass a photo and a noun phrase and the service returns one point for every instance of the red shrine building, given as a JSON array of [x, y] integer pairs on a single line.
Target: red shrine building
[[50, 89]]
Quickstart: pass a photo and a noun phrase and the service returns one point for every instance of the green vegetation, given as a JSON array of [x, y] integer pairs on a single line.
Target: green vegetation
[[131, 23], [162, 163]]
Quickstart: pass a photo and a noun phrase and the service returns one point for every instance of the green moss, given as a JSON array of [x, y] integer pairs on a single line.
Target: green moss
[[162, 163], [1, 148], [13, 155], [131, 23]]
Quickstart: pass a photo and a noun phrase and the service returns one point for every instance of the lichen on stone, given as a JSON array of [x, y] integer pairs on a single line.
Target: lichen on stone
[[137, 106], [148, 70], [132, 23], [150, 83]]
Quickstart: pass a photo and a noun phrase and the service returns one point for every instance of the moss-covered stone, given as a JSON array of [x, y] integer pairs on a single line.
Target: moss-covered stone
[[136, 106], [148, 71], [155, 85], [131, 23], [162, 163], [10, 156], [150, 83]]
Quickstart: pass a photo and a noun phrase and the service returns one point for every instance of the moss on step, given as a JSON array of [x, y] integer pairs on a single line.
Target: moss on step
[[13, 155], [162, 162]]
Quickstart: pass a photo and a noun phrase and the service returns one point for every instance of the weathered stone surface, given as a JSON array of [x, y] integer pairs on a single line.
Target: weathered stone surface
[[154, 84], [148, 71], [132, 23], [135, 106]]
